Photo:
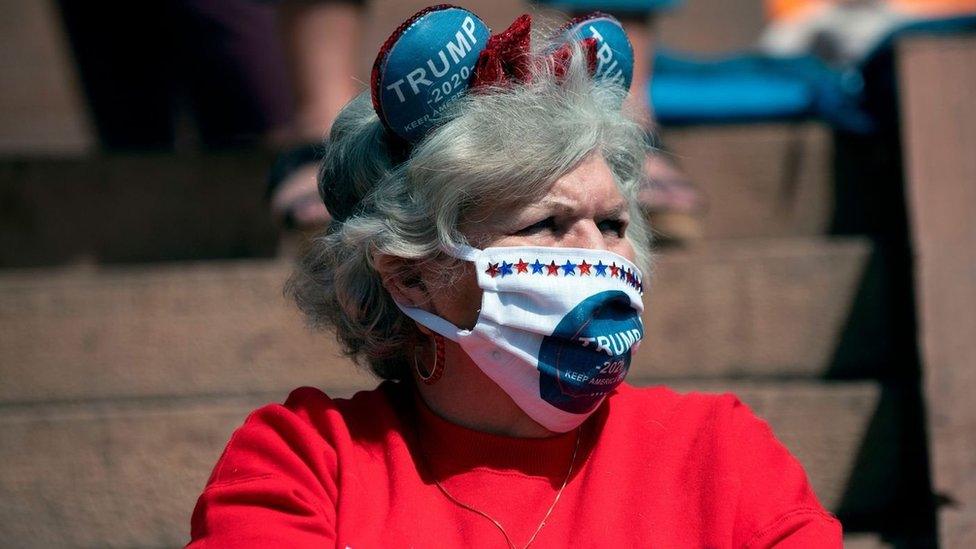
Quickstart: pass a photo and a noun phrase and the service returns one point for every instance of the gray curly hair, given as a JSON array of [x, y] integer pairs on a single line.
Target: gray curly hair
[[497, 148]]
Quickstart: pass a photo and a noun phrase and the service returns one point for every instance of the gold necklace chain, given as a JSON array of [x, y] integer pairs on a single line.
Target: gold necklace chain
[[508, 539]]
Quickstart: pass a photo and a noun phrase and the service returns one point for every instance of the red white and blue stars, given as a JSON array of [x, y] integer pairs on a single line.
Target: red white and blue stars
[[598, 269]]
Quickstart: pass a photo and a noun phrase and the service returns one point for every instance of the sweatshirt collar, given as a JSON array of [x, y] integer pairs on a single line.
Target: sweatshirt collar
[[448, 449]]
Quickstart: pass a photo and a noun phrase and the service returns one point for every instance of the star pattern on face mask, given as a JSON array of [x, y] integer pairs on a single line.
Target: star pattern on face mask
[[623, 273]]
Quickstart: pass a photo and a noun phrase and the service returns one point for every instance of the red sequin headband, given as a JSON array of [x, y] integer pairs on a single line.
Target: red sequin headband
[[443, 51]]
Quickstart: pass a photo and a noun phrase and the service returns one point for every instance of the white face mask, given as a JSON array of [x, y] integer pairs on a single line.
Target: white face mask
[[557, 327]]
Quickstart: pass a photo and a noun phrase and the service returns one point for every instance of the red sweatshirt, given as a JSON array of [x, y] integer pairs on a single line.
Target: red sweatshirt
[[655, 468]]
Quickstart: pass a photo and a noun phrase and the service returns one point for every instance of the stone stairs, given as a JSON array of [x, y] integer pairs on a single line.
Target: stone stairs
[[734, 309], [141, 317], [113, 373], [123, 382]]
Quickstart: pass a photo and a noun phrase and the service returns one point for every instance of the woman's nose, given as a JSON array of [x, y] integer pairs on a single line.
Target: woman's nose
[[586, 234]]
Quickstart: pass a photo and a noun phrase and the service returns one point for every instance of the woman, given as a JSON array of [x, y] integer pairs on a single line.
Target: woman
[[485, 261]]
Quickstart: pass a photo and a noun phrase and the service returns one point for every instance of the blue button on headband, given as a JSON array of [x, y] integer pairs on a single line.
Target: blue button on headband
[[425, 65], [614, 52]]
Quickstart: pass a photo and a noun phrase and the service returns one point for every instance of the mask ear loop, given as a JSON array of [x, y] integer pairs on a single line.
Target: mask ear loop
[[463, 252], [432, 321]]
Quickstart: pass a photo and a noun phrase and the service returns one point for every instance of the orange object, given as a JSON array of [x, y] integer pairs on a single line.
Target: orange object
[[935, 8], [779, 10]]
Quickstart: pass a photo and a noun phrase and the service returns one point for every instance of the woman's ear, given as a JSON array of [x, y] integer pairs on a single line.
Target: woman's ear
[[402, 278]]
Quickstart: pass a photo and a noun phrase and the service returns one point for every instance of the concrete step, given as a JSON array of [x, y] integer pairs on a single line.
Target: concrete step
[[863, 540], [770, 308], [191, 329], [134, 208], [126, 473], [765, 181], [759, 180], [41, 103], [738, 308], [939, 137], [43, 110], [120, 474], [713, 26]]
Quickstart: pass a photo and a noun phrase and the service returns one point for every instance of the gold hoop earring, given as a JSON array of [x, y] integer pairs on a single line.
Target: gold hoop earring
[[430, 378]]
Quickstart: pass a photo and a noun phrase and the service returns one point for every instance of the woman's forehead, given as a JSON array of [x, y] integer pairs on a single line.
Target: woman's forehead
[[590, 186], [588, 190]]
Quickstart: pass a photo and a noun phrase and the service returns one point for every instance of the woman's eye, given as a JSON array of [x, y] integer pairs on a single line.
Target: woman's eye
[[548, 223], [617, 226]]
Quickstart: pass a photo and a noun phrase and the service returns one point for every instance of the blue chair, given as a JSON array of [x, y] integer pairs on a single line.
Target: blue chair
[[688, 89]]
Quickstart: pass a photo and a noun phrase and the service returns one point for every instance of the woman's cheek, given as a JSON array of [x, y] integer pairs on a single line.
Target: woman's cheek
[[535, 240], [624, 248], [465, 299]]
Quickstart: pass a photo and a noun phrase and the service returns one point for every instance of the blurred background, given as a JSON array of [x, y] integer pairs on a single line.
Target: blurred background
[[814, 196]]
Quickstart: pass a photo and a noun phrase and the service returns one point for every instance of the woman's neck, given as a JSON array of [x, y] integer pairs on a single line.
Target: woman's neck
[[465, 396]]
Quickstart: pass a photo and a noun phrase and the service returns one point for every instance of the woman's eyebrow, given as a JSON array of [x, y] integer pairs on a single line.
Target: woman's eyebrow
[[556, 205], [614, 211], [564, 207]]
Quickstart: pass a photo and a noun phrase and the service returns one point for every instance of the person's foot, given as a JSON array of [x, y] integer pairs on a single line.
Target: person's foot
[[295, 202], [297, 208], [673, 205]]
